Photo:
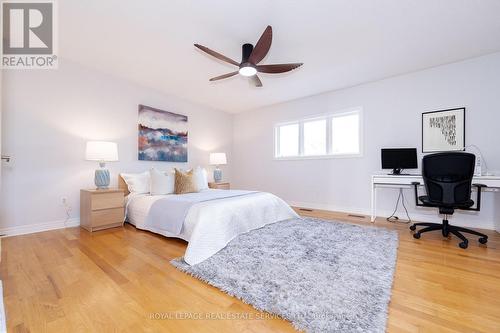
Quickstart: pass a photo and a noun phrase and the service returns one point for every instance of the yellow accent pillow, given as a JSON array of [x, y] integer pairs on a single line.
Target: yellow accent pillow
[[185, 182]]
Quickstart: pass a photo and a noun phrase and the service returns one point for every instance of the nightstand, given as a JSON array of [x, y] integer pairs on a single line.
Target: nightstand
[[101, 209], [220, 186]]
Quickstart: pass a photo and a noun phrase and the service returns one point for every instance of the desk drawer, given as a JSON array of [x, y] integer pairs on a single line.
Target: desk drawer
[[106, 200], [107, 216]]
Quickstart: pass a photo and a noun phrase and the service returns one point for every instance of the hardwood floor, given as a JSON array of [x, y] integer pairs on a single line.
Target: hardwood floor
[[121, 280]]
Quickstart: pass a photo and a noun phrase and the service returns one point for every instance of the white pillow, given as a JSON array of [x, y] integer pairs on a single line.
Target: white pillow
[[137, 182], [200, 174], [161, 182]]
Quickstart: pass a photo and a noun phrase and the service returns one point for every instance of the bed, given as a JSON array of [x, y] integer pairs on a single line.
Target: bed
[[207, 220]]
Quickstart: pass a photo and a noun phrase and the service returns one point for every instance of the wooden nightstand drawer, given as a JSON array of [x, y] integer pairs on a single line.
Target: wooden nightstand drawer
[[107, 216], [106, 200]]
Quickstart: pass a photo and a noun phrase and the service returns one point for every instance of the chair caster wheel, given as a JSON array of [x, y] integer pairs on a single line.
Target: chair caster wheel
[[483, 240], [412, 228], [416, 235], [463, 245]]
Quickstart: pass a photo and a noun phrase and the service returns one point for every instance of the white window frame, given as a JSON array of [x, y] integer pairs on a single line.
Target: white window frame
[[328, 117]]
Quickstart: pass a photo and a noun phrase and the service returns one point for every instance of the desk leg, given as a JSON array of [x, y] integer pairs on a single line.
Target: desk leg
[[374, 203]]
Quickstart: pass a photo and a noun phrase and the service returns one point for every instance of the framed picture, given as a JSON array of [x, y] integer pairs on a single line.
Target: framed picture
[[163, 135], [443, 130]]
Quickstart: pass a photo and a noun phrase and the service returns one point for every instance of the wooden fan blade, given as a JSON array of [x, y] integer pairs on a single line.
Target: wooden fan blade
[[220, 77], [256, 81], [262, 47], [216, 54], [278, 68]]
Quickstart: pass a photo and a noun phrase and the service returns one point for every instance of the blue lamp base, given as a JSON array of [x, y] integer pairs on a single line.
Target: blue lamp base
[[217, 175], [102, 179]]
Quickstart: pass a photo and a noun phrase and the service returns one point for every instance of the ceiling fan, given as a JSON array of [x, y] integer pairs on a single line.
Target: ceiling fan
[[251, 57]]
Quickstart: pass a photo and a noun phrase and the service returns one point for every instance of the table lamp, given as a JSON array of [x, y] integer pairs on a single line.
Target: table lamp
[[102, 152], [218, 159]]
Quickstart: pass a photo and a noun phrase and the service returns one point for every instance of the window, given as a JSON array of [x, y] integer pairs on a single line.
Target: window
[[338, 134], [289, 140], [345, 134], [315, 137]]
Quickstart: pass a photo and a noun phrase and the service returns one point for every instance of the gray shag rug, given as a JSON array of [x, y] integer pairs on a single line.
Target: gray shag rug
[[322, 276]]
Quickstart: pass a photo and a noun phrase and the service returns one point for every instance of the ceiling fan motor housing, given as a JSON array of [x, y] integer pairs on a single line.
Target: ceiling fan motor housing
[[246, 51]]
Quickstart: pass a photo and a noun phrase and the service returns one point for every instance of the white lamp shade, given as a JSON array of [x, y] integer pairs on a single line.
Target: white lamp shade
[[101, 151], [218, 159]]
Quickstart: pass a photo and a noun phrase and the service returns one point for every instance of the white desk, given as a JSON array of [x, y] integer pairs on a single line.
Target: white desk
[[404, 181]]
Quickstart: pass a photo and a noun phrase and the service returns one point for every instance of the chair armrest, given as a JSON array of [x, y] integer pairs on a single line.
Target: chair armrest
[[415, 188], [478, 201]]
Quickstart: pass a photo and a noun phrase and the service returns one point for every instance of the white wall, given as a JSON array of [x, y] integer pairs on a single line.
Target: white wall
[[392, 118], [1, 153], [48, 115]]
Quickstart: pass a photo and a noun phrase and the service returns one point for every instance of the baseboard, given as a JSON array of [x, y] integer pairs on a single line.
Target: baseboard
[[39, 227], [431, 217]]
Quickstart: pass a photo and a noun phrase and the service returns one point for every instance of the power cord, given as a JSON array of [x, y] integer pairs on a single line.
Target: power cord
[[486, 173], [393, 218], [67, 209]]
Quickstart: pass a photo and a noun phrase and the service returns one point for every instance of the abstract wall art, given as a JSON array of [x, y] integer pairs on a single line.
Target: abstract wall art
[[443, 130], [163, 135]]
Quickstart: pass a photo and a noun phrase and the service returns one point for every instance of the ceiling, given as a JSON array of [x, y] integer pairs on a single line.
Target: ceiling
[[341, 43]]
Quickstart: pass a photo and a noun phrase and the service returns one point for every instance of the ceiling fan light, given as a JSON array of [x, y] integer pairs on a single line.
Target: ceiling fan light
[[248, 71]]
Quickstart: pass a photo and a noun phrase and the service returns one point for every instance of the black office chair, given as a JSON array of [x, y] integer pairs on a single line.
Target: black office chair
[[448, 182]]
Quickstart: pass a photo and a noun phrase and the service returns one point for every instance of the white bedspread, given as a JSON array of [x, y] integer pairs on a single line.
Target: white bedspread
[[210, 225], [174, 209]]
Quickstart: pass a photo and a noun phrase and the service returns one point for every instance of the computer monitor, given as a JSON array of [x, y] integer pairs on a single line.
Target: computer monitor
[[398, 159]]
